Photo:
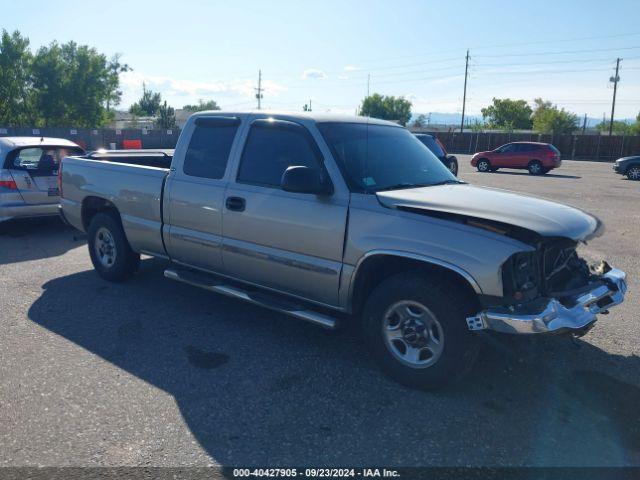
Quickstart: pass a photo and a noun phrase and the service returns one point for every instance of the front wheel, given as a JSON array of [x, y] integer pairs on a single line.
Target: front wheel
[[633, 173], [416, 330], [109, 249], [483, 165]]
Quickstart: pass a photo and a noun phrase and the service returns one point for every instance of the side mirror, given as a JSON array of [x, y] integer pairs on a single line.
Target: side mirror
[[300, 179]]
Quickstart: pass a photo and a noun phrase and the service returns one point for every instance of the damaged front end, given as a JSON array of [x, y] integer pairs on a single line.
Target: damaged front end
[[552, 289]]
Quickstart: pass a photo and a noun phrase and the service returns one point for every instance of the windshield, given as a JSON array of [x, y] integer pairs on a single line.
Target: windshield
[[380, 157], [432, 145]]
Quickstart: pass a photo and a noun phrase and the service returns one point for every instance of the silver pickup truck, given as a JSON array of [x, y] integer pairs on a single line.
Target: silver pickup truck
[[331, 219]]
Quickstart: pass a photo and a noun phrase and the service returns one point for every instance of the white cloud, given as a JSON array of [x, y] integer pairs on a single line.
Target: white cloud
[[176, 90], [343, 77], [313, 73], [350, 68]]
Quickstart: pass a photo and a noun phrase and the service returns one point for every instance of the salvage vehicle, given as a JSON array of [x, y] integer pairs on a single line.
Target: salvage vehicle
[[537, 158], [437, 148], [629, 166], [28, 175], [334, 219]]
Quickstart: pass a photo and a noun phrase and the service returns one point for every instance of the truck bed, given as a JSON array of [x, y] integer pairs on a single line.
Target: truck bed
[[133, 187]]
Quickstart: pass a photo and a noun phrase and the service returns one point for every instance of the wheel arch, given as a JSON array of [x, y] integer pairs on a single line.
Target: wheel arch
[[377, 265], [92, 205]]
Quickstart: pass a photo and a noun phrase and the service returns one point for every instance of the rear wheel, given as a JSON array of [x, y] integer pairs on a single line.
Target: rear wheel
[[633, 173], [452, 165], [109, 249], [483, 165], [416, 330], [535, 167]]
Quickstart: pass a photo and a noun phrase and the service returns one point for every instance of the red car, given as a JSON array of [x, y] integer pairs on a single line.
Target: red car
[[538, 158]]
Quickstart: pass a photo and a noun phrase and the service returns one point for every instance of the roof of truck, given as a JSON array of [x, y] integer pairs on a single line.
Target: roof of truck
[[8, 143], [314, 116]]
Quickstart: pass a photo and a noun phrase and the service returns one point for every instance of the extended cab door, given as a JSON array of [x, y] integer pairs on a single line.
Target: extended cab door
[[194, 193], [287, 241]]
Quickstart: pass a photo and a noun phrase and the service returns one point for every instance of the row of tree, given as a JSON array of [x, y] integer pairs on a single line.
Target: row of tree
[[58, 85], [544, 117], [151, 105], [503, 114]]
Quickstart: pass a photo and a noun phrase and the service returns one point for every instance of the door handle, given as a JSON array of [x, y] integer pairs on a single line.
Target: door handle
[[237, 204]]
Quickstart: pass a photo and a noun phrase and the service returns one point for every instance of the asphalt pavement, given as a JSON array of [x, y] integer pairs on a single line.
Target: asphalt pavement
[[155, 373]]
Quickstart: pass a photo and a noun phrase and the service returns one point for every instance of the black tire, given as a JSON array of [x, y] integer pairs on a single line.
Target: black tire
[[483, 165], [452, 165], [125, 261], [633, 172], [449, 307], [535, 167], [545, 171]]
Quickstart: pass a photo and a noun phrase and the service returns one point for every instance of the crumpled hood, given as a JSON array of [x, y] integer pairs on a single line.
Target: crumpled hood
[[548, 219]]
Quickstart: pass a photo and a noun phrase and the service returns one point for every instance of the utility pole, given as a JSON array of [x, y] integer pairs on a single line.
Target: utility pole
[[615, 81], [368, 81], [259, 89], [464, 96], [584, 124], [310, 105]]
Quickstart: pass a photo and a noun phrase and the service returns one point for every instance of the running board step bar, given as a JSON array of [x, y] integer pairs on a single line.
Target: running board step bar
[[266, 300]]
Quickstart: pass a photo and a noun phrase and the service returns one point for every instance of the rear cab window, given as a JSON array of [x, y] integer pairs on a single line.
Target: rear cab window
[[271, 148], [40, 161], [209, 147], [432, 144]]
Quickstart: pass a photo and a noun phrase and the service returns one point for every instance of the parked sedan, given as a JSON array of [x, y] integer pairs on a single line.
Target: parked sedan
[[537, 158], [629, 166], [436, 147], [28, 175]]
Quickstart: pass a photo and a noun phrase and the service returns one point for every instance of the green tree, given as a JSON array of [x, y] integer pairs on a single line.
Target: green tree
[[547, 118], [166, 116], [72, 85], [619, 127], [420, 121], [508, 114], [477, 126], [148, 104], [16, 93], [115, 68], [387, 108], [636, 126], [202, 106]]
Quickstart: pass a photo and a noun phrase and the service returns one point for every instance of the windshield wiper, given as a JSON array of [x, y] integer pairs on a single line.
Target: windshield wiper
[[400, 186], [405, 185], [446, 182]]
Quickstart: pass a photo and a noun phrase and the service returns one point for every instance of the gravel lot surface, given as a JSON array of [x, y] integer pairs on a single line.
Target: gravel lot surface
[[156, 373]]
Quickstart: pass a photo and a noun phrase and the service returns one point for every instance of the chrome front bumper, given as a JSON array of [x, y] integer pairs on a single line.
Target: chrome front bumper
[[549, 315]]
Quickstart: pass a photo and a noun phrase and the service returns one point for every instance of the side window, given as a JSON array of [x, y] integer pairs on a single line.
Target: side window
[[209, 147], [28, 158], [270, 150], [41, 161]]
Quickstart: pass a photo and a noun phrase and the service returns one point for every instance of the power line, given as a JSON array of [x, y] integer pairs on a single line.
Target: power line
[[565, 52]]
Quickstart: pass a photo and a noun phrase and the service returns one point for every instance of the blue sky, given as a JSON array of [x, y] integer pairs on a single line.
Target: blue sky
[[563, 51]]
